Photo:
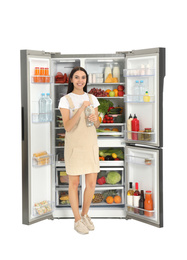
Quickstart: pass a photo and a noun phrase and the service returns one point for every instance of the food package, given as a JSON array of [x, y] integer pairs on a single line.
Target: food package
[[42, 207], [64, 177], [41, 158]]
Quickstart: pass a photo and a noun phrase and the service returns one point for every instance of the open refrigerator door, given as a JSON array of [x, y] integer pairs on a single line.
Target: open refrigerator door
[[143, 98], [36, 138], [144, 166]]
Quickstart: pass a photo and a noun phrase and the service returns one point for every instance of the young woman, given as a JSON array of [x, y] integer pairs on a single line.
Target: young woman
[[81, 152]]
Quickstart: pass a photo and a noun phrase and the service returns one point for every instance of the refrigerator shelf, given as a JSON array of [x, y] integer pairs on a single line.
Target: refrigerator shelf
[[104, 84], [43, 208], [41, 79], [139, 136], [139, 72], [38, 118], [139, 160], [44, 160], [137, 99], [112, 163]]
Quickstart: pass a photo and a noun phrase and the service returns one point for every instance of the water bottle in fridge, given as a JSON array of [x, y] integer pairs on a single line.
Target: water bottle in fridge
[[142, 90], [136, 91], [48, 107], [42, 108]]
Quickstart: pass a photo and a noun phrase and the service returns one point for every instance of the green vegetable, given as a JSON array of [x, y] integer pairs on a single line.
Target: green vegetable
[[104, 105], [109, 193], [102, 174], [113, 178], [110, 151], [115, 111]]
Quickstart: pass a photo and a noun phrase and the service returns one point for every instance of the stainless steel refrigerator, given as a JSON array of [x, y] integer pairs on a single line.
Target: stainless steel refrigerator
[[43, 165]]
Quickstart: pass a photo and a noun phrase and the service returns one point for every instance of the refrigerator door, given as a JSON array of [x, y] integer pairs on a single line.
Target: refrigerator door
[[36, 140], [144, 166], [144, 72]]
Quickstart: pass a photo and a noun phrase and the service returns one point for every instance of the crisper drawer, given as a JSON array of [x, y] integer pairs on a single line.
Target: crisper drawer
[[62, 178], [110, 176], [62, 197], [111, 130], [111, 156], [109, 197]]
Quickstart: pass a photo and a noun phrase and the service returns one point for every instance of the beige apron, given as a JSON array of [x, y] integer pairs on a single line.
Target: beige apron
[[81, 153]]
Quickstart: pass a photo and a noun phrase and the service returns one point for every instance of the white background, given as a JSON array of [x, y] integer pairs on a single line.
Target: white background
[[73, 27]]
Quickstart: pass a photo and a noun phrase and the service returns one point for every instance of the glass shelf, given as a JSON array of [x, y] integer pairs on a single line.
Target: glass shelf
[[138, 72], [137, 99], [41, 117], [139, 160], [41, 79], [139, 136], [43, 208], [43, 160]]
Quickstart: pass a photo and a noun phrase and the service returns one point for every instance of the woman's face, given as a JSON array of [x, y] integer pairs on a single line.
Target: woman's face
[[79, 79]]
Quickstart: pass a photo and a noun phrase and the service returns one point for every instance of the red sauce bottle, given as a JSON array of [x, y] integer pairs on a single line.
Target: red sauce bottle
[[135, 127]]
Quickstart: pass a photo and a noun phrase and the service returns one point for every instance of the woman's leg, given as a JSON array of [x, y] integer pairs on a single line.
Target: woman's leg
[[73, 196], [89, 191]]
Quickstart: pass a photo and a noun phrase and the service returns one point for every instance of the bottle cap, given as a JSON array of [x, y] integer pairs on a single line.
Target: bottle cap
[[135, 116], [130, 116], [148, 191], [43, 94], [130, 185], [136, 185]]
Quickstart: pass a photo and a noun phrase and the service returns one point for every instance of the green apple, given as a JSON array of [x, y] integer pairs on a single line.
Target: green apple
[[111, 93]]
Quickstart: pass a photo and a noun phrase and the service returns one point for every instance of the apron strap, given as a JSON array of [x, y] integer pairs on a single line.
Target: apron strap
[[70, 102], [90, 98]]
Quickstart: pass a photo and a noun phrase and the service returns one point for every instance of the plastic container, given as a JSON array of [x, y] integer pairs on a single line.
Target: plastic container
[[48, 108], [88, 112], [107, 70], [141, 90], [116, 71], [136, 91]]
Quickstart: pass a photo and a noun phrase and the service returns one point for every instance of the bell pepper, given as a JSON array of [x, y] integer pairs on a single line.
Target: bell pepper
[[101, 180]]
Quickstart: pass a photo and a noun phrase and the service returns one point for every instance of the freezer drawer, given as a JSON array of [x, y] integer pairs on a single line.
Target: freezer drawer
[[144, 166]]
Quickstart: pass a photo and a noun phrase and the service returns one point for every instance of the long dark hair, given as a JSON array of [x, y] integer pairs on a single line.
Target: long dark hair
[[70, 84]]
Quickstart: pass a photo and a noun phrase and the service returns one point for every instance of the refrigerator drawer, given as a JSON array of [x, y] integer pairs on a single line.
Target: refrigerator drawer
[[111, 130], [62, 179], [108, 197], [62, 197], [111, 156], [110, 176]]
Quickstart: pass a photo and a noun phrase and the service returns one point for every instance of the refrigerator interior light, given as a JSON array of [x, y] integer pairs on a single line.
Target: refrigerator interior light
[[105, 60], [67, 61]]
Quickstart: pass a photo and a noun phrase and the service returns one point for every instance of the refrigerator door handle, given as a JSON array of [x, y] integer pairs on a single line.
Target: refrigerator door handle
[[22, 122]]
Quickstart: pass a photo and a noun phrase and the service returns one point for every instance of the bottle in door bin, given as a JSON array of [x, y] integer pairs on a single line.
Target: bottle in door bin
[[46, 72], [129, 127], [130, 201], [42, 79], [141, 203], [107, 70], [88, 112], [36, 72], [48, 108], [116, 71], [136, 198], [136, 91], [42, 108], [135, 127], [148, 203]]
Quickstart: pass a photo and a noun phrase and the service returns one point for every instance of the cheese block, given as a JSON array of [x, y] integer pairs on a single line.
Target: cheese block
[[109, 78]]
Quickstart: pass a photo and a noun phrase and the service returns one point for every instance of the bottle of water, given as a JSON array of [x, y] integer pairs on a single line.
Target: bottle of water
[[142, 90], [42, 108], [48, 107], [88, 112], [136, 91]]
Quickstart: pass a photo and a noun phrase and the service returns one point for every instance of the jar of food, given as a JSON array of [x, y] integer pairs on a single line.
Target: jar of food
[[116, 71], [107, 70], [141, 135], [147, 137]]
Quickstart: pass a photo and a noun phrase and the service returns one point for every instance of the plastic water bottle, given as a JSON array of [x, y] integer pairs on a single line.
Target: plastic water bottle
[[142, 90], [42, 108], [136, 91], [88, 112], [48, 107]]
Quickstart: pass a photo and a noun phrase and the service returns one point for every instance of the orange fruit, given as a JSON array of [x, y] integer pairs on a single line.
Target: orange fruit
[[109, 200], [116, 92], [117, 199]]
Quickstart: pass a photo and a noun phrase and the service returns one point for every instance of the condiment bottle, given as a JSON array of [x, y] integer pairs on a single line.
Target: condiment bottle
[[36, 72], [88, 112], [129, 127], [116, 71], [135, 127], [136, 198], [130, 201], [107, 70], [141, 203], [46, 72], [148, 203], [146, 97], [42, 79]]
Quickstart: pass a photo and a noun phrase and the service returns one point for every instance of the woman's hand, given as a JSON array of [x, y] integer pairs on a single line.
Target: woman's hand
[[93, 118], [85, 104]]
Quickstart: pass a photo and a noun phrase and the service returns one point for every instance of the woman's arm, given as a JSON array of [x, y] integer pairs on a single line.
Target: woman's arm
[[70, 123]]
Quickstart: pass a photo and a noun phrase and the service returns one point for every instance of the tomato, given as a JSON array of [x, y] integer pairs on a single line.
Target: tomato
[[104, 120]]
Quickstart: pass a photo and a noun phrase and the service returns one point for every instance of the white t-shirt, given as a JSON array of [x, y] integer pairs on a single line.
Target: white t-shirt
[[77, 101]]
